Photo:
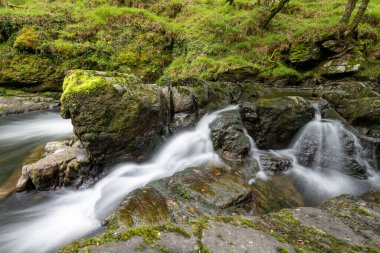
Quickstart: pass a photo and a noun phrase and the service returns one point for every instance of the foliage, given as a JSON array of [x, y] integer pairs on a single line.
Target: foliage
[[168, 39]]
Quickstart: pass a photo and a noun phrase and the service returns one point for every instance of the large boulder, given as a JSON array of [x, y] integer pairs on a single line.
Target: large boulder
[[273, 122], [113, 114]]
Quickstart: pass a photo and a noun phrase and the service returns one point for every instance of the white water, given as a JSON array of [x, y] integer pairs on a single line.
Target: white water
[[73, 215], [47, 124], [321, 175]]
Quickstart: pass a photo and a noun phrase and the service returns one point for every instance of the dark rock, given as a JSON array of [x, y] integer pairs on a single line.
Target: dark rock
[[228, 137], [273, 163], [272, 123]]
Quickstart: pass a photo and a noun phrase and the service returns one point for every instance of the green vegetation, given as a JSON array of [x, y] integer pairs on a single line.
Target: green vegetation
[[166, 39]]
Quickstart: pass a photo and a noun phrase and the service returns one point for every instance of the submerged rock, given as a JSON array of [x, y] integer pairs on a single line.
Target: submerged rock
[[272, 123]]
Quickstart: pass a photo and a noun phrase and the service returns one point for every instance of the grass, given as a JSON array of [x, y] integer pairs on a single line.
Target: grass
[[169, 39]]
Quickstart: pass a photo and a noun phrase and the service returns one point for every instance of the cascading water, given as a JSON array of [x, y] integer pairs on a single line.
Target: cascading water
[[72, 215], [323, 153]]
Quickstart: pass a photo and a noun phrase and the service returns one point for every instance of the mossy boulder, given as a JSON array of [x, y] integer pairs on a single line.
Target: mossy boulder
[[114, 115], [272, 123]]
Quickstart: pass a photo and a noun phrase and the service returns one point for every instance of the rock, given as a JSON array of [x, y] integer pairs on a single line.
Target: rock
[[275, 194], [55, 170], [344, 65], [20, 104], [143, 207], [272, 123], [228, 136], [224, 237], [114, 114], [304, 55], [56, 147], [341, 224], [357, 102], [334, 46], [272, 163]]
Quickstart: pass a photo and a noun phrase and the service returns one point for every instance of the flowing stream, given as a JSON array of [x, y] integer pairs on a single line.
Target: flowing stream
[[70, 215], [20, 134], [318, 153]]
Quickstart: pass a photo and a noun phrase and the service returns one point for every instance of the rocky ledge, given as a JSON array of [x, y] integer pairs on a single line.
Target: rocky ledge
[[21, 104], [342, 224]]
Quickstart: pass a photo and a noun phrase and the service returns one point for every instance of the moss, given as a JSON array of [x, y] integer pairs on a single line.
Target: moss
[[283, 250], [289, 228]]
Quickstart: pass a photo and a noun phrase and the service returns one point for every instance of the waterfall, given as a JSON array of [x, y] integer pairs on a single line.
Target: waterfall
[[72, 215], [324, 153]]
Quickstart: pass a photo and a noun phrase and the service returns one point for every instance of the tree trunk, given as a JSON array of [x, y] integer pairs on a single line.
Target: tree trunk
[[350, 6], [231, 2], [273, 13], [4, 3], [358, 17]]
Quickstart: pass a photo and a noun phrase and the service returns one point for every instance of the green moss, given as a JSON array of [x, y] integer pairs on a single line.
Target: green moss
[[283, 250]]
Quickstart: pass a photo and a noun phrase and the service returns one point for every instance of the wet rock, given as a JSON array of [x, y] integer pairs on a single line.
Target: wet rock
[[55, 170], [143, 207], [275, 194], [346, 64], [20, 104], [272, 123], [215, 186], [228, 137], [273, 163]]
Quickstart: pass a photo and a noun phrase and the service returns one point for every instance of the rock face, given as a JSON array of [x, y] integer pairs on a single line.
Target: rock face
[[65, 166], [272, 123], [21, 104], [341, 224]]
